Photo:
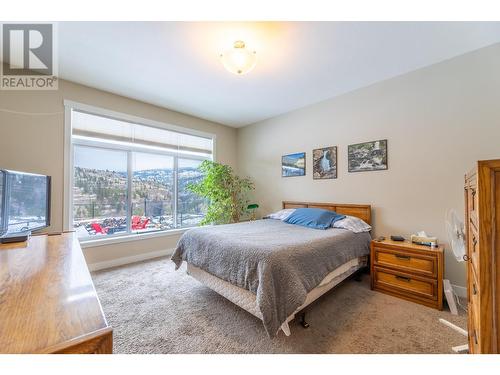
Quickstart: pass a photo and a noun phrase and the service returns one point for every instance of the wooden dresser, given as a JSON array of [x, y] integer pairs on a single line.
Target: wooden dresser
[[48, 303], [482, 230], [409, 271]]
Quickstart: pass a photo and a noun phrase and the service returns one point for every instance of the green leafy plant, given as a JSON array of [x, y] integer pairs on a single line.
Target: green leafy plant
[[225, 191]]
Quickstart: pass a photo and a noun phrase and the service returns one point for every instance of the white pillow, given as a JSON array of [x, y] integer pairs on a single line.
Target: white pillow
[[281, 214], [352, 223]]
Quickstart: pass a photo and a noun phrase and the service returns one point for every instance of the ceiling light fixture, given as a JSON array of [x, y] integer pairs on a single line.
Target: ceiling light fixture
[[239, 60]]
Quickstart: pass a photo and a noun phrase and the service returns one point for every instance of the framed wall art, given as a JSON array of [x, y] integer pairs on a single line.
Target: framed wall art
[[325, 163], [293, 165], [368, 156]]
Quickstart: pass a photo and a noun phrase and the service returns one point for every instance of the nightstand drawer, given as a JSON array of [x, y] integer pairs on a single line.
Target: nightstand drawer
[[406, 261], [405, 283], [409, 271]]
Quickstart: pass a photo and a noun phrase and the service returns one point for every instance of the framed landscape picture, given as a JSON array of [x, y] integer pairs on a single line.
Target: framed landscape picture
[[325, 163], [368, 156], [293, 165]]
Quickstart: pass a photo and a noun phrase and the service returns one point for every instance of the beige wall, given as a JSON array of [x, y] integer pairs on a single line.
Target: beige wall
[[437, 120], [35, 143]]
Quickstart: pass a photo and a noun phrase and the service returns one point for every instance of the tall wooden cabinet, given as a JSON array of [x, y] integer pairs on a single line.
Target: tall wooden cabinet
[[482, 218]]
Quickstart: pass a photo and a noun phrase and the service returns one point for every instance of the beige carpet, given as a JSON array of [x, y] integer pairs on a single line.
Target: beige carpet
[[154, 309]]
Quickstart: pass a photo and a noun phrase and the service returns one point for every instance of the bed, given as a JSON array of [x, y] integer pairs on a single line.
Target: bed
[[273, 269]]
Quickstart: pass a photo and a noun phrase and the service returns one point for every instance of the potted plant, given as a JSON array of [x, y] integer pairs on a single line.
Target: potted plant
[[225, 191]]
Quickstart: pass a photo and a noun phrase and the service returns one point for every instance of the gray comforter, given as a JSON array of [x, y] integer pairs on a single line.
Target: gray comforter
[[279, 262]]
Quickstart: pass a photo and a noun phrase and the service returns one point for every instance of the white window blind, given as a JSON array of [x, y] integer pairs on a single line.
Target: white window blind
[[92, 126]]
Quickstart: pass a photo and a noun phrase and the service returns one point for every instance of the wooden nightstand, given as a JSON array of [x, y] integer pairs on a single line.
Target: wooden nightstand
[[408, 271]]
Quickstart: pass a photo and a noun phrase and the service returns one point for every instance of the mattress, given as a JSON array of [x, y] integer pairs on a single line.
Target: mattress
[[248, 301]]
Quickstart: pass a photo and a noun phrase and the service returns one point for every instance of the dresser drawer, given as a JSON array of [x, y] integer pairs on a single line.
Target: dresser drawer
[[473, 329], [473, 248], [472, 198], [472, 203], [474, 293], [474, 312], [471, 179], [406, 261], [473, 220], [404, 283]]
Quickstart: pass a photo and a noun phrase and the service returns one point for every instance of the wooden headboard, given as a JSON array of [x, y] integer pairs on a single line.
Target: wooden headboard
[[363, 211]]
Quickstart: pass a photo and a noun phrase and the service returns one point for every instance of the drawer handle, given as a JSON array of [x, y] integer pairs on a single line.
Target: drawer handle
[[466, 258], [475, 337], [405, 257], [474, 290], [403, 278]]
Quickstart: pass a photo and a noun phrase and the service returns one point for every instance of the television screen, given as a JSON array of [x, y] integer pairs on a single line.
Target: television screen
[[24, 202]]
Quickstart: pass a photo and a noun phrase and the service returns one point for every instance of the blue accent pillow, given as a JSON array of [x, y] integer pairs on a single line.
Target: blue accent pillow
[[316, 218]]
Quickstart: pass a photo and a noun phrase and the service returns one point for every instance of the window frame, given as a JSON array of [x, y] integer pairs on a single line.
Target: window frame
[[71, 141]]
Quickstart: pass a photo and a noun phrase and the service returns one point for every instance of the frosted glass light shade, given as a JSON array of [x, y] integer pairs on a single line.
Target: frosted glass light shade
[[239, 60]]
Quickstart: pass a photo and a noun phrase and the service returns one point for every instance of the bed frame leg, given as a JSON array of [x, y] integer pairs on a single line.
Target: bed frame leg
[[286, 329], [303, 322]]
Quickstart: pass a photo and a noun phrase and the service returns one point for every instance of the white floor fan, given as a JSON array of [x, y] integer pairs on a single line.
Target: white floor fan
[[456, 236]]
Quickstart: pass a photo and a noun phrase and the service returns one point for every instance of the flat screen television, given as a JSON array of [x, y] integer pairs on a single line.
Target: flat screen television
[[24, 204]]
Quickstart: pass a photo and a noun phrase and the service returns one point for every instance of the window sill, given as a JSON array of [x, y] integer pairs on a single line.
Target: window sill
[[85, 243]]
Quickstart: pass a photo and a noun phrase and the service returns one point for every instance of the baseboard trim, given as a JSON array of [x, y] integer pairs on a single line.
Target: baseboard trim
[[127, 260], [460, 291]]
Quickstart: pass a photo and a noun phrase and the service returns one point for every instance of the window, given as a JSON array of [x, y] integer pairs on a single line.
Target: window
[[99, 191], [130, 178], [190, 207], [152, 192]]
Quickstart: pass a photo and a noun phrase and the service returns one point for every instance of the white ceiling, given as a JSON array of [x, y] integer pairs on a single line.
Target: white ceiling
[[175, 64]]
